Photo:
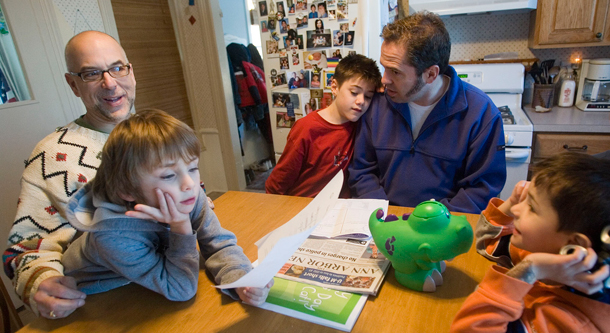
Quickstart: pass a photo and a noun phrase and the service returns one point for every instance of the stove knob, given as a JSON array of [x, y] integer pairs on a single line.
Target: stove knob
[[509, 139]]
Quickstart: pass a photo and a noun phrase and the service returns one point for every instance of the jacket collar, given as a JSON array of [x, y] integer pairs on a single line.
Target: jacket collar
[[452, 102], [88, 212]]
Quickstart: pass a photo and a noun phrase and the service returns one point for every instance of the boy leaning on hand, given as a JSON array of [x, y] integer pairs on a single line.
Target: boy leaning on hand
[[534, 288]]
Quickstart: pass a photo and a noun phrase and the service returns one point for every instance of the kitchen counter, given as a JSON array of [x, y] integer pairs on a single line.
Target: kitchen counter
[[569, 120]]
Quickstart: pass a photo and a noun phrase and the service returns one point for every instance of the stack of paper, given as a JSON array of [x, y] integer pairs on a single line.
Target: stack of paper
[[286, 252]]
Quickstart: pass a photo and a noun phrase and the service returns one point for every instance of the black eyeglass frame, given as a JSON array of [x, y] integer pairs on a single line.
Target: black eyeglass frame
[[128, 66]]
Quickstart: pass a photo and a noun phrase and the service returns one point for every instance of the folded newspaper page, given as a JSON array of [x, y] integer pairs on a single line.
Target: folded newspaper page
[[349, 218], [275, 247], [341, 264]]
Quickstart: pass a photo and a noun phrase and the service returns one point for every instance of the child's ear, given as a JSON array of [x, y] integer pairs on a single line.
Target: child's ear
[[580, 239], [334, 87], [127, 197]]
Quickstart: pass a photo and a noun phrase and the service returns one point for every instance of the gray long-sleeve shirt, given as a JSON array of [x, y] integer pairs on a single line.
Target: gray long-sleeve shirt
[[116, 249]]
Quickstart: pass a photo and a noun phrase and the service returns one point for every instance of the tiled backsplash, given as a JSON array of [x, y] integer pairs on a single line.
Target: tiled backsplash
[[474, 36]]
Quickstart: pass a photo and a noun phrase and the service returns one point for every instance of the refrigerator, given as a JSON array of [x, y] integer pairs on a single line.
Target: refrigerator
[[303, 41]]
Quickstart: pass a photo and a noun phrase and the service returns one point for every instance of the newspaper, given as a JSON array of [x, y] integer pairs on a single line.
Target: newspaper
[[342, 264]]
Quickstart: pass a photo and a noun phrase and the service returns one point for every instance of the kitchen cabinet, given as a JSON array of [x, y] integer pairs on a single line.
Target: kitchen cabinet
[[568, 129], [547, 144], [569, 23]]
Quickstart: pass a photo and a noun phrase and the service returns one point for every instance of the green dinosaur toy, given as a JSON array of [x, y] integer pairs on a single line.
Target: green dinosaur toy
[[417, 244]]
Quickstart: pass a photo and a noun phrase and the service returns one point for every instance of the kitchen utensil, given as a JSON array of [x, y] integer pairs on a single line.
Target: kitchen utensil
[[545, 75], [547, 63], [553, 72], [545, 66]]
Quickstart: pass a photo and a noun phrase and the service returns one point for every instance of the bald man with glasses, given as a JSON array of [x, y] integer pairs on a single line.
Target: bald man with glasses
[[64, 161]]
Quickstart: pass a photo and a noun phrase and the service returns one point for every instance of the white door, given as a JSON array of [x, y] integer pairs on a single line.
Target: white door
[[23, 124]]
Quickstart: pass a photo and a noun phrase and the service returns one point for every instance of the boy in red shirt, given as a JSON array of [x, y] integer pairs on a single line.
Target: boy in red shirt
[[322, 143], [535, 289]]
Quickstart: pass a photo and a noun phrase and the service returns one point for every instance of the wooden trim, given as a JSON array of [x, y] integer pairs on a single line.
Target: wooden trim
[[108, 18], [54, 44], [500, 61], [222, 101], [150, 43], [403, 9]]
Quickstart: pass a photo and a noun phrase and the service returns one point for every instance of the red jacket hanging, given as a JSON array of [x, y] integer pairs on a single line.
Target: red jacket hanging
[[252, 88]]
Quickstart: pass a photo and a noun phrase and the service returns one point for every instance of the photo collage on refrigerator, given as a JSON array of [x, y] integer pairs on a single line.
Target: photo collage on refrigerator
[[303, 41]]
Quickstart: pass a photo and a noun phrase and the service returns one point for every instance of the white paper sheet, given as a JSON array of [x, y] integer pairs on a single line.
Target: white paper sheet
[[349, 218], [275, 248]]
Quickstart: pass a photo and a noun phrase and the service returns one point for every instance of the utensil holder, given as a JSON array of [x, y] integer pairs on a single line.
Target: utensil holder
[[543, 95]]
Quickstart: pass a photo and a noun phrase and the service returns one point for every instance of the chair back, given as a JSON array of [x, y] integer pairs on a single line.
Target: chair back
[[7, 310]]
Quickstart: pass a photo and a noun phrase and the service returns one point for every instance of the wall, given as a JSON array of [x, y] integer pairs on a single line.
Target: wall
[[474, 36], [235, 18]]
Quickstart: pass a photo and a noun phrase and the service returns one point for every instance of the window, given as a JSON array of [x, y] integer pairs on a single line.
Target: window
[[13, 87]]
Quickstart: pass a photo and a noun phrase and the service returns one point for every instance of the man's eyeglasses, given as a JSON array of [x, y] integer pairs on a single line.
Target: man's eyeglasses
[[97, 75]]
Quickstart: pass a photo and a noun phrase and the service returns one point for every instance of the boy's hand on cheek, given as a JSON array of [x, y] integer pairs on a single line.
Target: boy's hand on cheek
[[572, 270], [254, 296], [167, 212], [519, 194]]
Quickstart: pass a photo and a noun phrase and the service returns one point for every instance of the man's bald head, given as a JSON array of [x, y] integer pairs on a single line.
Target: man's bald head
[[86, 39], [110, 99]]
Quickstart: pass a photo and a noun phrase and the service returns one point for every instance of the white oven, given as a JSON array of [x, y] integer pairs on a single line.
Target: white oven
[[503, 83]]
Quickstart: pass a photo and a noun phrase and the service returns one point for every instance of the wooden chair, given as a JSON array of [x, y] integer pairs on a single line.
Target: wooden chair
[[8, 311]]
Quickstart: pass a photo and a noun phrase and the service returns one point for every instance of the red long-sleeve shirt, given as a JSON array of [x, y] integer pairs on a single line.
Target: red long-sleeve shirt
[[315, 151]]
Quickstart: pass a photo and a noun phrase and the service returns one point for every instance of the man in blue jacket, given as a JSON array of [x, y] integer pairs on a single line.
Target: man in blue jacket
[[430, 135]]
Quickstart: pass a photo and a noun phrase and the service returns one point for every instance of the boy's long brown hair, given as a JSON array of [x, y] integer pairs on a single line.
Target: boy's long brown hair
[[139, 144]]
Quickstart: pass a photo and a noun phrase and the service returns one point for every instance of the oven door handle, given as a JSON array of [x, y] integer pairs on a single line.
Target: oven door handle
[[517, 154]]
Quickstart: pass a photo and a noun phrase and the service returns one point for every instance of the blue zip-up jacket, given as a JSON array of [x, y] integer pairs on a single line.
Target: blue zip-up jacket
[[117, 249], [457, 159]]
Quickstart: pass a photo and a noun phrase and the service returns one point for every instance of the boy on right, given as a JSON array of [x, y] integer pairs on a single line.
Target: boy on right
[[535, 289]]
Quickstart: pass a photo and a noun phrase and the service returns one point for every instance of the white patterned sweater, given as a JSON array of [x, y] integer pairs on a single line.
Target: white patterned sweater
[[60, 164]]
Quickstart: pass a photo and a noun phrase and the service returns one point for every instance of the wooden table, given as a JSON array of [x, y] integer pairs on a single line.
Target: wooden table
[[250, 216]]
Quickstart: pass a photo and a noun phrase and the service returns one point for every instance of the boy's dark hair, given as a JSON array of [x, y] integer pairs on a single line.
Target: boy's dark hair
[[357, 66], [426, 40], [141, 143], [578, 186]]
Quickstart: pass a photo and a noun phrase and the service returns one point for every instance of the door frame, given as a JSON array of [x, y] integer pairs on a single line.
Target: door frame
[[220, 163]]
